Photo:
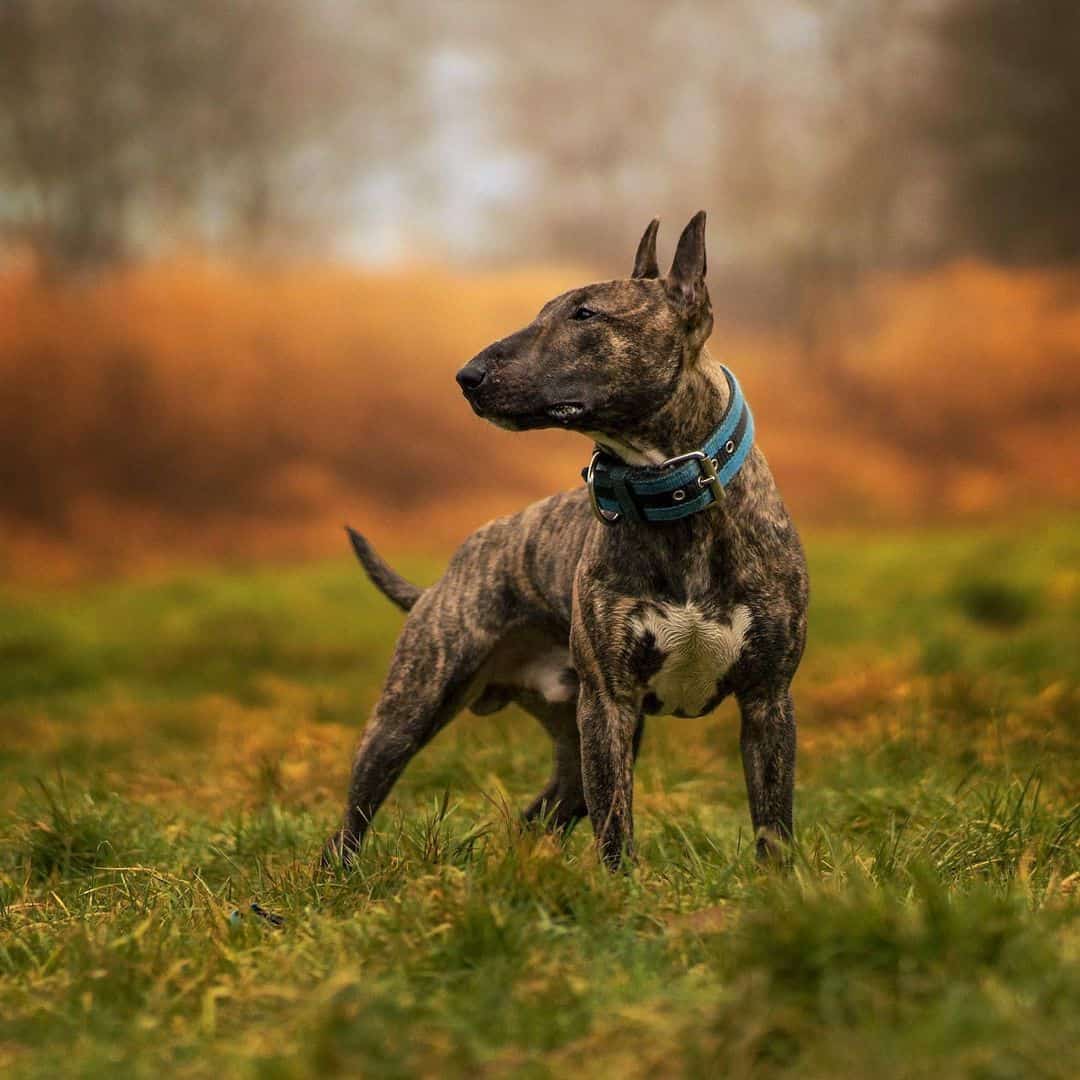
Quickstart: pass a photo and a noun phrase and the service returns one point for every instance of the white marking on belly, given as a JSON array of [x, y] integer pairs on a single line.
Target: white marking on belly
[[545, 674], [699, 651]]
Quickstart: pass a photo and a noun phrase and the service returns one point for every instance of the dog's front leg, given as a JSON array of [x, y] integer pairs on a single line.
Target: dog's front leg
[[607, 769], [767, 740], [608, 715]]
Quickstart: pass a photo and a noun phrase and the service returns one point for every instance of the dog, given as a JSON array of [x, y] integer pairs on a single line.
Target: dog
[[671, 580]]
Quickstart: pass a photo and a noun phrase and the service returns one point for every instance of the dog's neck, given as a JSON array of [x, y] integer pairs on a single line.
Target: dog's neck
[[682, 424]]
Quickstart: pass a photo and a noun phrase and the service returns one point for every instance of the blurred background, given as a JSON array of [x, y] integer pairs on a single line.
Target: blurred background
[[244, 246]]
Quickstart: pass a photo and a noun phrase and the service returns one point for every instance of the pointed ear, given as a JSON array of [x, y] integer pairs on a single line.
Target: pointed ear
[[645, 264], [686, 278], [685, 283]]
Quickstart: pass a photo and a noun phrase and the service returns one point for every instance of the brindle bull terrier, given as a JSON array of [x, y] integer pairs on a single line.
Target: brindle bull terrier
[[671, 580]]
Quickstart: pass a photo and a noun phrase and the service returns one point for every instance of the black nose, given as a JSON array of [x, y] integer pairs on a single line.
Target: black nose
[[472, 375]]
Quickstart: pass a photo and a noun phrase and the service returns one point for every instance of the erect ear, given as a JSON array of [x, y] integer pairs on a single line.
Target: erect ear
[[645, 264], [686, 278], [685, 283]]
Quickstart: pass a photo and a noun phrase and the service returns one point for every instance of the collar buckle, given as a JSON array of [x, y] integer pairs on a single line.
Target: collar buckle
[[709, 476]]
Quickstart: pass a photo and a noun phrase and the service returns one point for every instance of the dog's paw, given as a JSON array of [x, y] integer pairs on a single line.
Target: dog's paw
[[773, 849], [338, 851]]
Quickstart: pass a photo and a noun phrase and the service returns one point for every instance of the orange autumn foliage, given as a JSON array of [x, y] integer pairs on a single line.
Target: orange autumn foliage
[[192, 409]]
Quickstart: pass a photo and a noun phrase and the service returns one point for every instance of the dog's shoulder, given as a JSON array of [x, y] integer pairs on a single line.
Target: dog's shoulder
[[532, 554], [564, 517]]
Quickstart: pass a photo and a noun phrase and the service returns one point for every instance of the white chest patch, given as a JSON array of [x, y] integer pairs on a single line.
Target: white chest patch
[[698, 651]]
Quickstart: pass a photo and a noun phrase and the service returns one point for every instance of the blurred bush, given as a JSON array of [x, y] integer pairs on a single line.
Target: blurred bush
[[199, 408]]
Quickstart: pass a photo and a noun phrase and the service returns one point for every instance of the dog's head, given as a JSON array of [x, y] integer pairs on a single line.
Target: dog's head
[[605, 357]]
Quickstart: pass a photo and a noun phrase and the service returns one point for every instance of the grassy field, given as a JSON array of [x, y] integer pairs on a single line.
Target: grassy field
[[174, 749]]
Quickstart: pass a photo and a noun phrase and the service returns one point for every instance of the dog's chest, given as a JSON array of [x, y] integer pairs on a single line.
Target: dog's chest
[[691, 652]]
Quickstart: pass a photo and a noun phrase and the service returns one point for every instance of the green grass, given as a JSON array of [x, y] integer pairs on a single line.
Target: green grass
[[172, 750]]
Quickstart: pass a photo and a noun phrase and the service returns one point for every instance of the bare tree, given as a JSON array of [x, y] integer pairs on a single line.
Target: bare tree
[[1005, 120], [123, 122], [825, 136]]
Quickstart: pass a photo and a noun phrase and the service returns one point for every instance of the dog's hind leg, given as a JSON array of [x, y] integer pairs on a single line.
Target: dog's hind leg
[[562, 802], [442, 646]]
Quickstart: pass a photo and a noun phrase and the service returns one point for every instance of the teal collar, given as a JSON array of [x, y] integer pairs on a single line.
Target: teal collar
[[680, 486]]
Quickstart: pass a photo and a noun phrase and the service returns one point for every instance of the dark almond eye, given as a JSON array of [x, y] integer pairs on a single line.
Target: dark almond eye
[[583, 313]]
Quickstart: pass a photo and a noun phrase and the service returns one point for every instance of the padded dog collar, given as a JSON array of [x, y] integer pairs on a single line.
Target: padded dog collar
[[680, 486]]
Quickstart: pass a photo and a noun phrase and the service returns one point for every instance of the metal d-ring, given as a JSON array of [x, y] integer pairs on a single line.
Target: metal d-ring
[[605, 517]]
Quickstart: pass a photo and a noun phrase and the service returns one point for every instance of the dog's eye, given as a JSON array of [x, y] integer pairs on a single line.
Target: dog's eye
[[583, 313]]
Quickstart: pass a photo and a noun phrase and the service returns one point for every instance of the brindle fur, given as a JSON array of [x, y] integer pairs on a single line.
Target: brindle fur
[[560, 614]]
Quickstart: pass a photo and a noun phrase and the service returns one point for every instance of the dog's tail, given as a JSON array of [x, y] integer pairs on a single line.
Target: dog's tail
[[387, 580]]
